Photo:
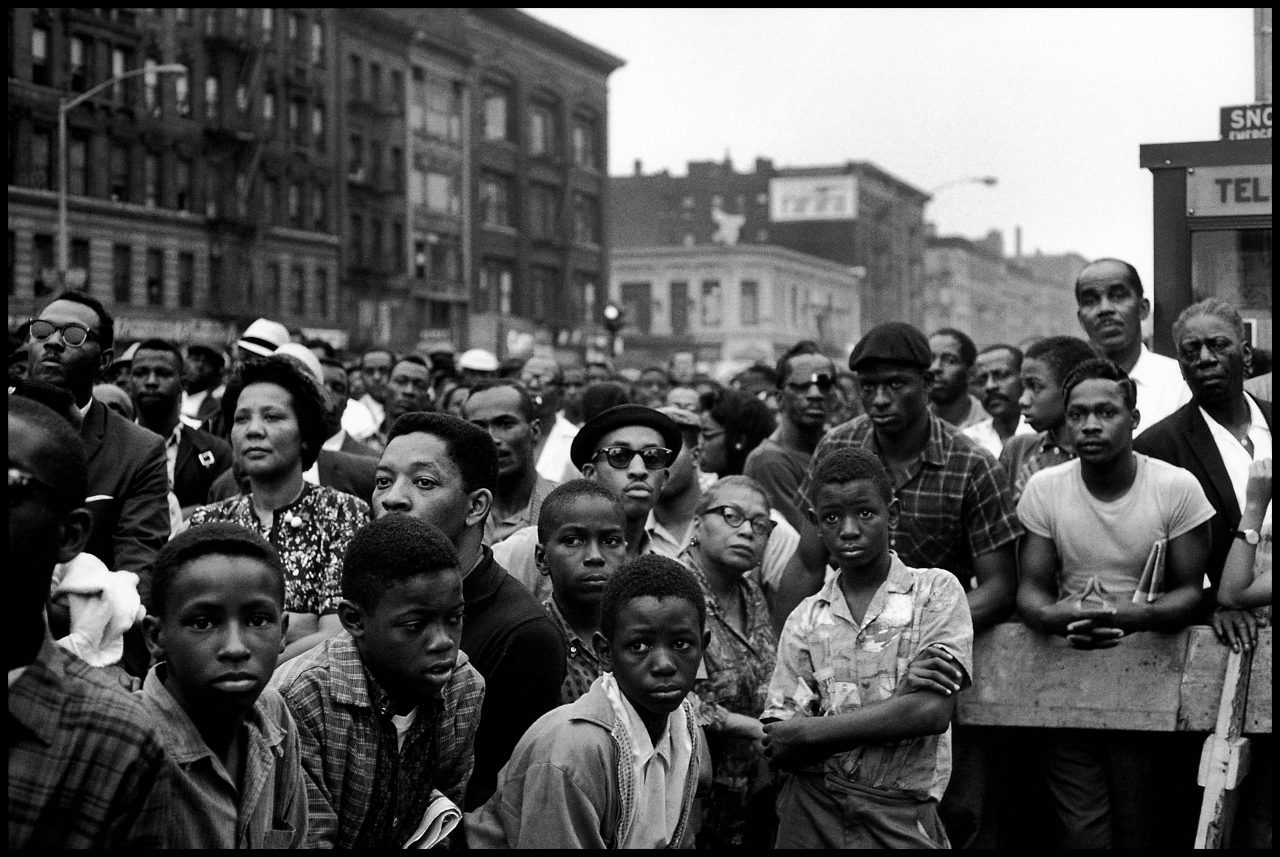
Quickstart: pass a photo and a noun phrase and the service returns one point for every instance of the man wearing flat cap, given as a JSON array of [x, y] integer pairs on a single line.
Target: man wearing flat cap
[[629, 449], [956, 510]]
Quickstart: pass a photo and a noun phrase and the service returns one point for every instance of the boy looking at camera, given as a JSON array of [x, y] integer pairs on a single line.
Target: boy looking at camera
[[619, 767], [861, 699], [388, 709], [215, 627], [581, 544]]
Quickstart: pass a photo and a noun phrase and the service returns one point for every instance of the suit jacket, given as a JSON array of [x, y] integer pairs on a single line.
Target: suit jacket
[[341, 471], [1183, 438], [128, 492], [351, 446], [202, 458]]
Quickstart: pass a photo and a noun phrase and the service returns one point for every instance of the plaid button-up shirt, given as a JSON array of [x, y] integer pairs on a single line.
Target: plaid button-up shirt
[[954, 497], [86, 768], [333, 701]]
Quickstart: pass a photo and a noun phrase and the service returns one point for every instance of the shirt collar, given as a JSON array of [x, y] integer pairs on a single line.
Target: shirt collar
[[642, 747], [182, 739], [899, 580]]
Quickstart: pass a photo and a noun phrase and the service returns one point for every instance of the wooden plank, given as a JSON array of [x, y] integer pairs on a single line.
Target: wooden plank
[[1225, 759], [1150, 682]]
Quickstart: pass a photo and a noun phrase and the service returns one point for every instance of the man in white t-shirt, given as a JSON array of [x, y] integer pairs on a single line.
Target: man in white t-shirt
[[1111, 308], [1091, 524]]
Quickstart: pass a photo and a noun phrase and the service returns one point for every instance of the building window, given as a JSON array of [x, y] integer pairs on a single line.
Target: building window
[[46, 273], [375, 241], [241, 22], [542, 130], [42, 159], [439, 315], [317, 127], [212, 192], [270, 193], [155, 278], [78, 166], [375, 161], [710, 303], [80, 261], [497, 112], [397, 90], [182, 185], [275, 287], [121, 273], [585, 152], [298, 292], [679, 308], [420, 260], [151, 180], [397, 169], [586, 219], [749, 305], [268, 24], [446, 259], [77, 52], [242, 100], [540, 298], [418, 102], [356, 241], [494, 287], [151, 88], [118, 183], [293, 28], [397, 247], [295, 118], [217, 271], [269, 111], [355, 83], [317, 43], [212, 94], [495, 199], [355, 166], [39, 55], [637, 300], [119, 64], [442, 193], [295, 205], [544, 205], [186, 280], [375, 83], [182, 94], [319, 209], [322, 292], [444, 111]]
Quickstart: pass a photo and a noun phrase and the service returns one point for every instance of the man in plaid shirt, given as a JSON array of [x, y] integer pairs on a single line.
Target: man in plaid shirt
[[956, 510]]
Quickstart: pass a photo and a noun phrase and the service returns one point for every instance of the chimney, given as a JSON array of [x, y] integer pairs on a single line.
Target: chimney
[[1017, 242], [639, 167]]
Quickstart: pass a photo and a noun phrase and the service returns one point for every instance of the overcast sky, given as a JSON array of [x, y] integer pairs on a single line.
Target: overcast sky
[[1052, 102]]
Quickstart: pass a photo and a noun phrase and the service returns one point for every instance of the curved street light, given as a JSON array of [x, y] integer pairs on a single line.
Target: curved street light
[[989, 181], [65, 105]]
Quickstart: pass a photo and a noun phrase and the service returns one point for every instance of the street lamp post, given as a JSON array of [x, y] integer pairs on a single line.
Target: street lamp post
[[989, 181], [65, 105]]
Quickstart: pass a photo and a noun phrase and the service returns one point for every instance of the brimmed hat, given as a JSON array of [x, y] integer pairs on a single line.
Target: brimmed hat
[[305, 356], [682, 417], [478, 360], [213, 351], [126, 356], [620, 416], [892, 342], [263, 337]]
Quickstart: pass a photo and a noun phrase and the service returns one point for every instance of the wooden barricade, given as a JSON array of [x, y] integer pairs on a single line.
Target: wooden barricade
[[1184, 682]]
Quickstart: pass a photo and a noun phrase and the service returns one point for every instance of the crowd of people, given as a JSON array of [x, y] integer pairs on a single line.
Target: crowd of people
[[281, 596]]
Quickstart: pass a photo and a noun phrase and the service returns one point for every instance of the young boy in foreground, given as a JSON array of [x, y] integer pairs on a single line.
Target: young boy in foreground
[[215, 627], [861, 699], [582, 543], [388, 709], [619, 767]]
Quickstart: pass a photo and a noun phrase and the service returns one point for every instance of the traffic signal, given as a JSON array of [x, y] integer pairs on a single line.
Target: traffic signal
[[614, 317]]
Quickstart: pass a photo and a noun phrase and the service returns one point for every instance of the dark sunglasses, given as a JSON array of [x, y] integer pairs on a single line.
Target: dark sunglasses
[[761, 525], [73, 332], [620, 457], [824, 381]]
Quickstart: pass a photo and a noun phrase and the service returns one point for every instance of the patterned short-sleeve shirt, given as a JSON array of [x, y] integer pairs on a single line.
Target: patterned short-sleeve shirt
[[954, 497], [582, 667], [829, 664], [311, 534]]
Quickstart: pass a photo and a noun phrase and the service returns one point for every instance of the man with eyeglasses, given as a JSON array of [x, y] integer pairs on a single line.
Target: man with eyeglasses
[[782, 459], [71, 344], [629, 449]]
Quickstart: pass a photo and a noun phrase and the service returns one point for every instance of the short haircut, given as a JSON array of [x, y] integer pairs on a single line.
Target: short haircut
[[309, 402], [331, 363], [555, 507], [1100, 368], [410, 358], [1013, 350], [57, 399], [526, 401], [747, 421], [1060, 354], [469, 447], [156, 344], [654, 575], [1131, 274], [659, 369], [378, 350], [765, 373], [600, 396], [106, 324], [327, 351], [712, 494], [64, 469], [848, 464], [800, 349], [449, 395], [1216, 307], [389, 550], [216, 537], [968, 351]]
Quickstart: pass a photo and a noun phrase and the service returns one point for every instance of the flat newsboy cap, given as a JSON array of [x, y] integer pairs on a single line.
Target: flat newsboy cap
[[585, 442], [892, 342]]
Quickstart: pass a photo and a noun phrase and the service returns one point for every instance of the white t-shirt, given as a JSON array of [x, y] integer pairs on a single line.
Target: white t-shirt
[[1113, 539]]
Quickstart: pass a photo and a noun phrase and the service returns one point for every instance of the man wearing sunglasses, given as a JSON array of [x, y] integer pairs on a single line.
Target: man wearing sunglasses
[[629, 449], [71, 344], [780, 462]]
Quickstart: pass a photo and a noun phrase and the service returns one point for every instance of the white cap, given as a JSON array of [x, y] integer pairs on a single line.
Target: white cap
[[478, 360], [126, 356], [263, 337], [305, 356]]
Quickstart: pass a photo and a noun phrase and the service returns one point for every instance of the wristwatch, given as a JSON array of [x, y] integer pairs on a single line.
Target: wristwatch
[[1250, 536]]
